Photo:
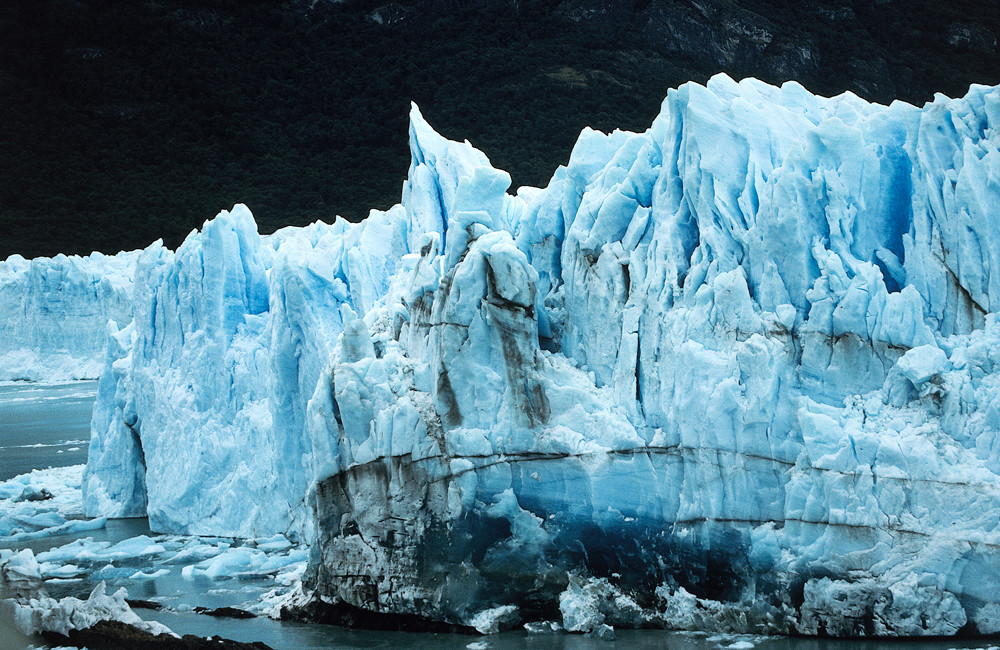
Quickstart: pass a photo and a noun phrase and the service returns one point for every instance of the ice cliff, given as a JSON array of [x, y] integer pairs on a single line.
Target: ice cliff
[[200, 415], [736, 372], [54, 314]]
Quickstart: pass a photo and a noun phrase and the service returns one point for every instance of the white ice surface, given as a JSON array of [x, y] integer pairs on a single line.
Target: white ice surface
[[22, 518], [770, 317], [200, 413], [48, 614]]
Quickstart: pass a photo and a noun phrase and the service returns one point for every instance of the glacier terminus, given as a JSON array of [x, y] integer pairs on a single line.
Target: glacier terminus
[[740, 372]]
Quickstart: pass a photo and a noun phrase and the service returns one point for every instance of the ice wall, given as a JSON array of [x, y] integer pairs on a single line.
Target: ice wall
[[199, 420], [54, 314], [733, 373]]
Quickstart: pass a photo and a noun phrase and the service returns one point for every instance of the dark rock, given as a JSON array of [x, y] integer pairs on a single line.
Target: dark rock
[[115, 635], [870, 78], [345, 615], [143, 604], [602, 18], [791, 61], [225, 612], [713, 32], [976, 38], [390, 14], [836, 15]]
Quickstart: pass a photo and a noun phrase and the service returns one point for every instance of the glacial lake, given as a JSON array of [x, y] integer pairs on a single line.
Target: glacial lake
[[44, 426], [49, 426]]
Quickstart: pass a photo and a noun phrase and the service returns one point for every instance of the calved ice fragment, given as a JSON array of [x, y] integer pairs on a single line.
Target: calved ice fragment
[[43, 503]]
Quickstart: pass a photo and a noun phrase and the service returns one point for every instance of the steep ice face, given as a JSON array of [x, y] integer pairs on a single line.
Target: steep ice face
[[199, 421], [735, 369], [54, 314]]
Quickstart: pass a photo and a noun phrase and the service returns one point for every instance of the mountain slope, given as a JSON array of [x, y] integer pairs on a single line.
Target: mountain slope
[[125, 122]]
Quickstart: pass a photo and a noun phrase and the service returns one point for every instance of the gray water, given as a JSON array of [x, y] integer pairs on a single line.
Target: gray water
[[38, 422], [44, 426]]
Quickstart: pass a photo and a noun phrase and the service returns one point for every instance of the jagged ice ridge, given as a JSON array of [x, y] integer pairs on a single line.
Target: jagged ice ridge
[[736, 372]]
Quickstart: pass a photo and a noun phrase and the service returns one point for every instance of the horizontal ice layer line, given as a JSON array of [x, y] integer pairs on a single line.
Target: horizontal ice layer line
[[735, 372]]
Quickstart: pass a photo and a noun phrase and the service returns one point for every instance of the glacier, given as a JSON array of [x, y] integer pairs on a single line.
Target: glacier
[[733, 373], [55, 313], [200, 415]]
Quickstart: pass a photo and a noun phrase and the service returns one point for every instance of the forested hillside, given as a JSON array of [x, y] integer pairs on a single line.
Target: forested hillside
[[124, 121]]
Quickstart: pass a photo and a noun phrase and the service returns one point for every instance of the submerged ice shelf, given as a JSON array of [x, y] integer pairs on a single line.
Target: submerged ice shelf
[[734, 373]]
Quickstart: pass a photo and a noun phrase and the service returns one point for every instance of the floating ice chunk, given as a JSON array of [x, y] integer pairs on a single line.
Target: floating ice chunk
[[25, 516], [62, 484], [45, 614], [603, 632], [247, 561], [275, 543], [587, 604], [21, 568], [542, 627], [112, 573], [84, 549], [230, 563], [491, 621], [132, 547], [195, 550], [75, 526], [50, 570]]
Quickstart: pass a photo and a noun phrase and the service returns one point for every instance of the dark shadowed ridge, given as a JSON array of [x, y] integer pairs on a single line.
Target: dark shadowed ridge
[[128, 121]]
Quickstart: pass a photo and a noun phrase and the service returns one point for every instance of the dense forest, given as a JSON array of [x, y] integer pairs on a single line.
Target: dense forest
[[124, 121]]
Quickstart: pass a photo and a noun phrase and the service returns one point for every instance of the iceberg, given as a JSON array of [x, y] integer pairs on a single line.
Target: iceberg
[[54, 314], [734, 373]]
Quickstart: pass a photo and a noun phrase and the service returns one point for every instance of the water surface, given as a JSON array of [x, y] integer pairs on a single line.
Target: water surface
[[44, 425], [38, 422]]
